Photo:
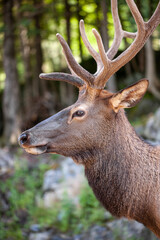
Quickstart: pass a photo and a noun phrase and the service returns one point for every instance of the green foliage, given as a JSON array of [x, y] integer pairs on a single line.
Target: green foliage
[[22, 188], [117, 232], [45, 217], [25, 189], [90, 210], [66, 214]]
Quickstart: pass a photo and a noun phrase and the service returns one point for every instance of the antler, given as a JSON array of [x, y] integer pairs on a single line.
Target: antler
[[64, 77], [106, 65]]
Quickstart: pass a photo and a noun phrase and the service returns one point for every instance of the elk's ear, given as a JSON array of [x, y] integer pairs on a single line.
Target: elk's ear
[[129, 96]]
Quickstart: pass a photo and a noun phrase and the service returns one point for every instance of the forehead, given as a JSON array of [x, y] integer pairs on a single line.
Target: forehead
[[91, 95], [91, 98], [86, 98]]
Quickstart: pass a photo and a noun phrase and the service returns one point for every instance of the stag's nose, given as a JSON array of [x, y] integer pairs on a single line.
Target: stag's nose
[[23, 138]]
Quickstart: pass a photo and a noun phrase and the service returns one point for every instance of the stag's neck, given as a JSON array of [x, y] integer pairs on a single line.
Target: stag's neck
[[121, 146], [124, 174]]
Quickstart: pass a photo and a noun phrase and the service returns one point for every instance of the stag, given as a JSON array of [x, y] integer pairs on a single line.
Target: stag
[[122, 169]]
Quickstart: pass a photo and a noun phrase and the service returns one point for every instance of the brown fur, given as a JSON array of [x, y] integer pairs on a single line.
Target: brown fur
[[122, 170]]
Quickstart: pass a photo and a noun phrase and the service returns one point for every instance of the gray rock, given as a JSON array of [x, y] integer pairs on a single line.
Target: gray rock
[[61, 237], [67, 179], [35, 228], [6, 163], [152, 128], [40, 236], [121, 229], [97, 233], [67, 170], [52, 179], [124, 229], [4, 206]]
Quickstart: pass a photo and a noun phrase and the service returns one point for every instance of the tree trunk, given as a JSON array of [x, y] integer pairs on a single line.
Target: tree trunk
[[39, 86], [68, 25], [68, 89], [104, 25], [26, 54], [139, 67], [79, 35], [154, 83], [111, 84], [11, 91], [67, 94], [98, 17], [141, 59]]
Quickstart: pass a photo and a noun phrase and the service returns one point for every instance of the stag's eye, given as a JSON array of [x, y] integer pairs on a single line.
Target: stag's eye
[[79, 113]]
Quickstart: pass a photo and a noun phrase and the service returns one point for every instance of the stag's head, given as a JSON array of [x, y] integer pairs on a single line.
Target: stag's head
[[80, 128]]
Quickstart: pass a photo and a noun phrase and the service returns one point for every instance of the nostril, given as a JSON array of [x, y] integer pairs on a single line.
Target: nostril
[[23, 138]]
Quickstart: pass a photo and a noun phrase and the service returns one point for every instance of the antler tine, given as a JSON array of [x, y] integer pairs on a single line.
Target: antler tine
[[91, 50], [119, 32], [64, 77], [106, 62], [118, 35], [137, 16], [101, 49], [77, 69], [154, 21], [144, 31], [71, 70], [129, 34]]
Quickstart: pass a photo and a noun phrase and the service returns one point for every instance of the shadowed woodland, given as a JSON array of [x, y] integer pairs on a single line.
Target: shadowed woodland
[[29, 47]]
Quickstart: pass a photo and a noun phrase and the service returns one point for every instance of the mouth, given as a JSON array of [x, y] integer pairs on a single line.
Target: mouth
[[36, 150]]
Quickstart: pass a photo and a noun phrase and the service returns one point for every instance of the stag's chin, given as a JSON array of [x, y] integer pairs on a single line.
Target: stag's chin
[[36, 150]]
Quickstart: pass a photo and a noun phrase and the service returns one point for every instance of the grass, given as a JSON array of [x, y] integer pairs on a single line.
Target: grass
[[22, 191]]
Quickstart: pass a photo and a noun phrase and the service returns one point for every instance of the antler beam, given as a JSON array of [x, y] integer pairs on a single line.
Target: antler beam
[[106, 65], [81, 72], [64, 77]]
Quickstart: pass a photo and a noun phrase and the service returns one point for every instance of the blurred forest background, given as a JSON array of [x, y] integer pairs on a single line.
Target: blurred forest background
[[28, 47]]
